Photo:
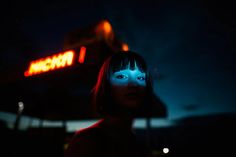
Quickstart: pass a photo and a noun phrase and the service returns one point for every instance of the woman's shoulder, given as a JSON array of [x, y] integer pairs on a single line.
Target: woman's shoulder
[[85, 142], [91, 135], [90, 132]]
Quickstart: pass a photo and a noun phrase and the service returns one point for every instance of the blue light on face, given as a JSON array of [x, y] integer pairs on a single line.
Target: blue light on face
[[128, 76]]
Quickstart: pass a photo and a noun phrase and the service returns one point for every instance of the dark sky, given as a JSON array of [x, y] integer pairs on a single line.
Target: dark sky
[[189, 45]]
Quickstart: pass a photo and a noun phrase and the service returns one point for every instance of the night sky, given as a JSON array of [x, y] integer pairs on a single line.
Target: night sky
[[189, 46]]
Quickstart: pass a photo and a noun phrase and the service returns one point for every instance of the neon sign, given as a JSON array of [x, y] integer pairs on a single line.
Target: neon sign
[[54, 62], [82, 54]]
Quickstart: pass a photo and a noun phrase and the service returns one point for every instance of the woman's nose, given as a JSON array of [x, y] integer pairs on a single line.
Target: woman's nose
[[132, 82]]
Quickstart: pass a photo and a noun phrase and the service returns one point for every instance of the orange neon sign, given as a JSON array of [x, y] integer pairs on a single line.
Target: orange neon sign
[[82, 54], [54, 62]]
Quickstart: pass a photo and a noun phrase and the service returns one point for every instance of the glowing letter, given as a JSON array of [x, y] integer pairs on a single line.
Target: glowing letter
[[82, 54]]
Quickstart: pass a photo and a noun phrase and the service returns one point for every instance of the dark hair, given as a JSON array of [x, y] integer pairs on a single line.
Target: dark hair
[[103, 103]]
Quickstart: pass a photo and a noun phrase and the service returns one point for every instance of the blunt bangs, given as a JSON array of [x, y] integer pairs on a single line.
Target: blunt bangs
[[127, 60]]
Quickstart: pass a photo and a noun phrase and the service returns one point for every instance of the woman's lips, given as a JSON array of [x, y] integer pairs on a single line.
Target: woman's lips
[[132, 94]]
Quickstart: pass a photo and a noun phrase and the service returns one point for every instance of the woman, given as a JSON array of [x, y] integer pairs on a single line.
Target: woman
[[123, 92]]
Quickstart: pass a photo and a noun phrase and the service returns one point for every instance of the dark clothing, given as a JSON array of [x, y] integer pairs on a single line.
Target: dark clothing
[[104, 142]]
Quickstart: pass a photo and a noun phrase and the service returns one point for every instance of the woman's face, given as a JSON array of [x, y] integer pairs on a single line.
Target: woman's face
[[128, 87]]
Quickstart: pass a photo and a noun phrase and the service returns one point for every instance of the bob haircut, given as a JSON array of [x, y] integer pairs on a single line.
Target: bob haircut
[[102, 101]]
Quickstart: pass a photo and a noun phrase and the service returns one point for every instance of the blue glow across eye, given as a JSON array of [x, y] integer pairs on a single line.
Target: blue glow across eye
[[141, 78], [127, 77], [121, 76]]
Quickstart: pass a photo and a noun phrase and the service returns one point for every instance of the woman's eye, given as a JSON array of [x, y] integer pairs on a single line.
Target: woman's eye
[[121, 76], [141, 78]]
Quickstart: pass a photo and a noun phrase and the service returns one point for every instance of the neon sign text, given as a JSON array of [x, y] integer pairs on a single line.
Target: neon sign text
[[54, 62], [82, 54]]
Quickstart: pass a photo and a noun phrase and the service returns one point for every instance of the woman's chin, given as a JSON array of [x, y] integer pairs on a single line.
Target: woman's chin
[[131, 104]]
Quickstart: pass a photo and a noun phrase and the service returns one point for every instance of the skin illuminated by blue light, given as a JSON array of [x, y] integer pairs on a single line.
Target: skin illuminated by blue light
[[127, 77]]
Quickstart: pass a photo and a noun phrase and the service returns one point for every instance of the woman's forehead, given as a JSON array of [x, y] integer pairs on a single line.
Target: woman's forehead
[[129, 71]]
